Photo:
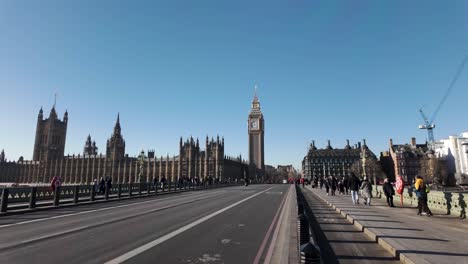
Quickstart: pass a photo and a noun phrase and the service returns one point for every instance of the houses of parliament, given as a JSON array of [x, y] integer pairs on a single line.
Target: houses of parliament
[[192, 162]]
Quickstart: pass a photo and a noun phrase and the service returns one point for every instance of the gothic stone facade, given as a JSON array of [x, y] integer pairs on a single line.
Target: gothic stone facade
[[49, 161]]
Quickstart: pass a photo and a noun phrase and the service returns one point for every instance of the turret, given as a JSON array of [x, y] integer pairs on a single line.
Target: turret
[[65, 116], [40, 116], [53, 114], [2, 156]]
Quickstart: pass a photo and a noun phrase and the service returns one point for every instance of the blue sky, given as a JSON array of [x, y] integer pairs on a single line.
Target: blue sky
[[325, 70]]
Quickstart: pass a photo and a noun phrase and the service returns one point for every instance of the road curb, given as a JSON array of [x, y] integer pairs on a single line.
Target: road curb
[[387, 245]]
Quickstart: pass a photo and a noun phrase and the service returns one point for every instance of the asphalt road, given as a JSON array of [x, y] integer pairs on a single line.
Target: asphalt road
[[227, 225]]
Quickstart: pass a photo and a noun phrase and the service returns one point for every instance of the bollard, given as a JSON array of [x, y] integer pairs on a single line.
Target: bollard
[[148, 189], [156, 189], [119, 190], [93, 194], [76, 193], [32, 198], [106, 192], [130, 189], [309, 254], [139, 188], [4, 206], [57, 196]]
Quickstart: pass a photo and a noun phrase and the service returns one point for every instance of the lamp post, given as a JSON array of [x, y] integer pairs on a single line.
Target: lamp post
[[141, 163]]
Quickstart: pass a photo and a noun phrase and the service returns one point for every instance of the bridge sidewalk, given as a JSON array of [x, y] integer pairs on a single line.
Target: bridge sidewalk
[[415, 239]]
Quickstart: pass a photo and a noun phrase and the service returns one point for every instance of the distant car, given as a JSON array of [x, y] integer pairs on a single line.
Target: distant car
[[285, 181]]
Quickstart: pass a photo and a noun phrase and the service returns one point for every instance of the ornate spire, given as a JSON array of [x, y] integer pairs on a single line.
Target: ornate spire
[[255, 103], [255, 99], [117, 125]]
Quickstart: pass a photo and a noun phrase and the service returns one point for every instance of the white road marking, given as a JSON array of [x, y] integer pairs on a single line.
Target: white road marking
[[92, 211], [174, 233], [81, 228]]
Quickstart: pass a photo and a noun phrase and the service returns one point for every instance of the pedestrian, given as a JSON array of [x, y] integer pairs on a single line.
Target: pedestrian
[[102, 185], [346, 184], [53, 183], [421, 193], [95, 186], [302, 182], [321, 183], [327, 186], [334, 185], [341, 187], [109, 183], [163, 183], [366, 188], [389, 192], [354, 184]]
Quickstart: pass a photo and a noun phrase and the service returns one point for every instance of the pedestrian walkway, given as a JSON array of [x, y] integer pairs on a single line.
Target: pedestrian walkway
[[412, 238], [348, 244]]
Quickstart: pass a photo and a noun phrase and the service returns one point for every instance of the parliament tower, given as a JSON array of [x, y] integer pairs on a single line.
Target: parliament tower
[[256, 128], [51, 134]]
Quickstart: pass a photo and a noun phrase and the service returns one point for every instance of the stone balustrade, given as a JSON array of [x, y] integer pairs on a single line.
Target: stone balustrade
[[453, 203]]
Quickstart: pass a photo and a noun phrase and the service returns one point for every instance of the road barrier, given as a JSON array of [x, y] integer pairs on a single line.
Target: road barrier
[[33, 198], [307, 231]]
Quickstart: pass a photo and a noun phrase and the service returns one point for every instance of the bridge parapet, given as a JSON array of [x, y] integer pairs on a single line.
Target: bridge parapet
[[453, 203]]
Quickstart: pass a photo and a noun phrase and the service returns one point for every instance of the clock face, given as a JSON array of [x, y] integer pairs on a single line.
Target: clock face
[[254, 124]]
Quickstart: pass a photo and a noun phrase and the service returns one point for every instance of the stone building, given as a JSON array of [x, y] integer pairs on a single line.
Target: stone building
[[410, 160], [329, 161], [90, 148], [49, 161], [455, 150], [51, 134], [256, 131], [116, 144]]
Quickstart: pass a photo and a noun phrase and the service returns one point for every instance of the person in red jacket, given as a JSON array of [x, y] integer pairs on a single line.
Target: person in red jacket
[[302, 181]]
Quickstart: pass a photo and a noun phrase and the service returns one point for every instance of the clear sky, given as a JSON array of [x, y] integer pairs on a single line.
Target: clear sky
[[325, 70]]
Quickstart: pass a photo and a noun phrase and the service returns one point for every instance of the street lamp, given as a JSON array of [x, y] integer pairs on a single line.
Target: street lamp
[[141, 163]]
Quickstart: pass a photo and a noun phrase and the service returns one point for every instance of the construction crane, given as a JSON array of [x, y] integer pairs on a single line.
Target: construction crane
[[429, 125]]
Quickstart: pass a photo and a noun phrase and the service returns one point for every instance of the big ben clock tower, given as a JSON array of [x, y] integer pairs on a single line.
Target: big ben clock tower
[[256, 128]]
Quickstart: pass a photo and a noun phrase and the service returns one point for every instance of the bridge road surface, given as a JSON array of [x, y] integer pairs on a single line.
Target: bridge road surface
[[227, 225]]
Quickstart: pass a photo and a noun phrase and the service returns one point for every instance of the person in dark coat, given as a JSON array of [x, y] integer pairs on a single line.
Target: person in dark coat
[[327, 186], [109, 183], [354, 185], [334, 185], [102, 185], [389, 192], [346, 184]]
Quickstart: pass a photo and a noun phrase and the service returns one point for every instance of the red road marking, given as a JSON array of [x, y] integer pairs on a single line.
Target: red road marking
[[265, 240]]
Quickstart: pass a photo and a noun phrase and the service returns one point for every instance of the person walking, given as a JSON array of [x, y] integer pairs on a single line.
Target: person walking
[[109, 183], [354, 184], [366, 188], [334, 185], [420, 191], [389, 192], [346, 184], [95, 186], [302, 182], [327, 186], [341, 187], [102, 185]]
